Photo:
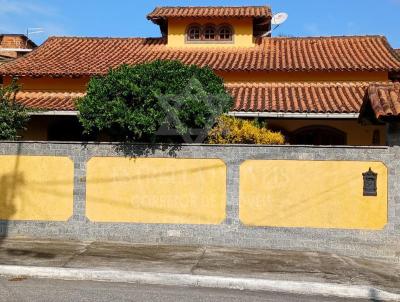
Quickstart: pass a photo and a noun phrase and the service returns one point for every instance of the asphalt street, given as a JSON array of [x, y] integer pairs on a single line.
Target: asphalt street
[[35, 290]]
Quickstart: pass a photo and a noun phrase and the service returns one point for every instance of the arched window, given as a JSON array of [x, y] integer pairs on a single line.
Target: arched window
[[209, 33], [225, 33], [194, 33], [319, 135]]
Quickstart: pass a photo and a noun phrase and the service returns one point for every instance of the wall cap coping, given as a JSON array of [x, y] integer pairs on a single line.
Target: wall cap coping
[[83, 144]]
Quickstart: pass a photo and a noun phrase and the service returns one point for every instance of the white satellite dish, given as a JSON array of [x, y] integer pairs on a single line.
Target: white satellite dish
[[279, 18]]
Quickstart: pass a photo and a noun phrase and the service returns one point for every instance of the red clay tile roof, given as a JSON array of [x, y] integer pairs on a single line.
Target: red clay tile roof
[[398, 52], [299, 97], [385, 100], [250, 97], [209, 11], [59, 101], [95, 56]]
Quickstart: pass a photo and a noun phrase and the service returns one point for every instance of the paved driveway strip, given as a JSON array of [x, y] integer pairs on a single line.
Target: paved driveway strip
[[207, 262]]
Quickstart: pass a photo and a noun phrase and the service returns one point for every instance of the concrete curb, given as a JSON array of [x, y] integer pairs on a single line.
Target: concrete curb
[[167, 279]]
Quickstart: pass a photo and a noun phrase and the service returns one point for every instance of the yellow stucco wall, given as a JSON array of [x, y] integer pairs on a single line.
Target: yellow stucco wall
[[51, 84], [36, 188], [314, 194], [357, 134], [156, 190], [80, 84], [243, 32]]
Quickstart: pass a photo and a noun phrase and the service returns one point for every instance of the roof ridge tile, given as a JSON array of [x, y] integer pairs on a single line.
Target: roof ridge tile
[[208, 11]]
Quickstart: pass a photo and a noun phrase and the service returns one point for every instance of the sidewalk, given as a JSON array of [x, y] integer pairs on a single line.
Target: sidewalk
[[281, 271]]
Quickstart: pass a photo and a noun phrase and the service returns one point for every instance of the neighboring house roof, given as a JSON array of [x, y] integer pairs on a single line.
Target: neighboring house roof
[[398, 52], [299, 97], [24, 37], [248, 97], [384, 100], [209, 11], [4, 59], [73, 56], [13, 46]]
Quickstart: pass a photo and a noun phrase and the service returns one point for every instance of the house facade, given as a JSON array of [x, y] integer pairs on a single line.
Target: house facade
[[312, 89], [13, 46]]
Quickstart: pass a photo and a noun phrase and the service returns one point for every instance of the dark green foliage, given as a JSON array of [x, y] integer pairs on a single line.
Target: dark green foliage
[[13, 116], [133, 102]]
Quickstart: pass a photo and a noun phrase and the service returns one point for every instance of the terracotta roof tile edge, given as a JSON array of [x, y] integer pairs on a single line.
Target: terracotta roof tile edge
[[210, 6], [334, 83], [267, 38], [373, 97], [101, 38], [331, 37], [154, 14], [392, 51]]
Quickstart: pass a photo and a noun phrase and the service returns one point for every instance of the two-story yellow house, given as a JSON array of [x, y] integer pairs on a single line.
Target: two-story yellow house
[[311, 89]]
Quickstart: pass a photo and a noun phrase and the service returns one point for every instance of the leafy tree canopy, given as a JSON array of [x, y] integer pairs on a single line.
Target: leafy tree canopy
[[135, 102], [13, 116]]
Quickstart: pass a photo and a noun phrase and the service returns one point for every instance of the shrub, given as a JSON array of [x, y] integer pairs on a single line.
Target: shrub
[[230, 130], [13, 116], [131, 103]]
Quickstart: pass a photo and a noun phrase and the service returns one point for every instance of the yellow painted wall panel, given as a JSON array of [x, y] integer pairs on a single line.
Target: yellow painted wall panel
[[314, 194], [156, 190], [243, 32], [36, 188]]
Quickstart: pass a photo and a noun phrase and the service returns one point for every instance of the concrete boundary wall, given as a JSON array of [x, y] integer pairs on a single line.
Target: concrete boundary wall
[[381, 243]]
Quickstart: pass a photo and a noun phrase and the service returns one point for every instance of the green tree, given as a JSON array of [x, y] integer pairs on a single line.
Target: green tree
[[132, 103], [13, 115]]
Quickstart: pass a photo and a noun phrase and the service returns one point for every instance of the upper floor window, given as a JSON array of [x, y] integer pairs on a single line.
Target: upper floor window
[[194, 33], [209, 33], [225, 33]]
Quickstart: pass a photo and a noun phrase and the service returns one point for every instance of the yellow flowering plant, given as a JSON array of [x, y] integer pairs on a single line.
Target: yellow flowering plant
[[231, 130]]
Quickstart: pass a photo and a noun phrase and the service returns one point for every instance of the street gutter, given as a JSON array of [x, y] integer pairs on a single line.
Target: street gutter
[[202, 281]]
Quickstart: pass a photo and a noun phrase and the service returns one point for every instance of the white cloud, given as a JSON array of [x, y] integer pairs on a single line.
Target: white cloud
[[18, 7], [17, 15]]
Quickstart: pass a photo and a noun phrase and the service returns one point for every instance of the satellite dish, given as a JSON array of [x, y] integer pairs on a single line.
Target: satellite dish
[[279, 18]]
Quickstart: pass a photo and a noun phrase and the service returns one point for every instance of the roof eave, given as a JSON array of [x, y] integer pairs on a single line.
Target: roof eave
[[294, 115], [54, 113]]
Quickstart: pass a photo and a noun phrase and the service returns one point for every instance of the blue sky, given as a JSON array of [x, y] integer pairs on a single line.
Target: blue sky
[[126, 18]]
